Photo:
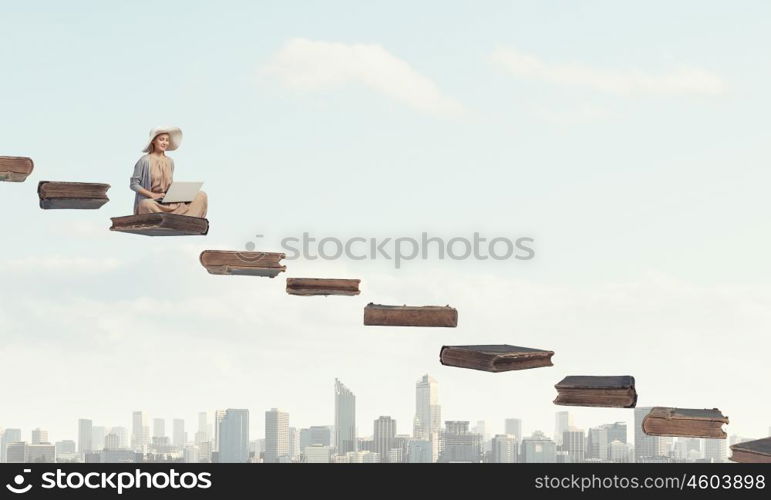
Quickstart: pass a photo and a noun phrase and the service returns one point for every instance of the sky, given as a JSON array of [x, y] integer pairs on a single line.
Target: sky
[[630, 142]]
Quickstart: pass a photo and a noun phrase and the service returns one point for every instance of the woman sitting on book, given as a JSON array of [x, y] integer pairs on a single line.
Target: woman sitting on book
[[154, 173]]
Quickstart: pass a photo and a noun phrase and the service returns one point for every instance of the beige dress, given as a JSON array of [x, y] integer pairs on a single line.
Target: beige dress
[[161, 179]]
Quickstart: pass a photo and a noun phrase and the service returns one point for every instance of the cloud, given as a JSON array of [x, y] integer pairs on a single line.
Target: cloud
[[309, 65], [683, 80]]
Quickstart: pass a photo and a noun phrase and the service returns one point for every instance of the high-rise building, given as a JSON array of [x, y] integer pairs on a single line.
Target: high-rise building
[[276, 435], [112, 442], [159, 428], [9, 436], [513, 426], [219, 415], [39, 436], [562, 422], [97, 438], [234, 436], [384, 434], [66, 447], [505, 449], [715, 450], [16, 452], [317, 454], [85, 436], [345, 419], [573, 441], [203, 427], [123, 436], [646, 448], [597, 443], [428, 413], [139, 435], [619, 452], [178, 437], [538, 449], [616, 432], [294, 443], [460, 445], [420, 452]]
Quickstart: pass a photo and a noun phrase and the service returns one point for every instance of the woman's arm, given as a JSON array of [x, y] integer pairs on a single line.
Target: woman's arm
[[136, 181]]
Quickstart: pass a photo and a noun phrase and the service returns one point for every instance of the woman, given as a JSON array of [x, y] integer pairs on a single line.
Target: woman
[[154, 173]]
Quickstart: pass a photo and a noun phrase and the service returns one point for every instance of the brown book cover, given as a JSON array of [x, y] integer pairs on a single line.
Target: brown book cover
[[15, 168], [160, 225], [72, 195], [322, 286], [685, 422], [437, 316], [494, 358], [752, 452], [232, 263], [616, 391]]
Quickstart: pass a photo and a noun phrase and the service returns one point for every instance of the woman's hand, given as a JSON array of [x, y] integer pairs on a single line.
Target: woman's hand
[[158, 196]]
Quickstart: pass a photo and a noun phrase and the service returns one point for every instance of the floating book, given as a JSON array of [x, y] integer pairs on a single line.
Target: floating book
[[685, 422], [379, 315], [752, 452], [494, 358], [72, 195], [242, 263], [321, 286], [606, 391], [161, 224], [15, 168]]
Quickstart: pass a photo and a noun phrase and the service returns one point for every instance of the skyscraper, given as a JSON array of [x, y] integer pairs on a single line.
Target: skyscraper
[[573, 443], [460, 445], [159, 427], [384, 434], [505, 449], [234, 436], [97, 437], [276, 435], [219, 415], [345, 419], [39, 436], [203, 426], [139, 437], [562, 422], [85, 435], [178, 437], [122, 434], [715, 450], [428, 413], [538, 449], [294, 443], [9, 436], [513, 426]]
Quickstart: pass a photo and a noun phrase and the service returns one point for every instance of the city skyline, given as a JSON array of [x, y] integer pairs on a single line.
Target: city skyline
[[227, 439]]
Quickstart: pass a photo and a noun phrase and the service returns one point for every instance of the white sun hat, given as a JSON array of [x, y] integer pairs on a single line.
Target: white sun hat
[[175, 137]]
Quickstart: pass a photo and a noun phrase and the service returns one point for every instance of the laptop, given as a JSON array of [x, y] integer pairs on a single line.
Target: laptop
[[182, 192]]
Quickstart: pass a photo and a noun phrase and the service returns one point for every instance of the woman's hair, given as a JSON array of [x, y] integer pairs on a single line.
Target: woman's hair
[[152, 143]]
